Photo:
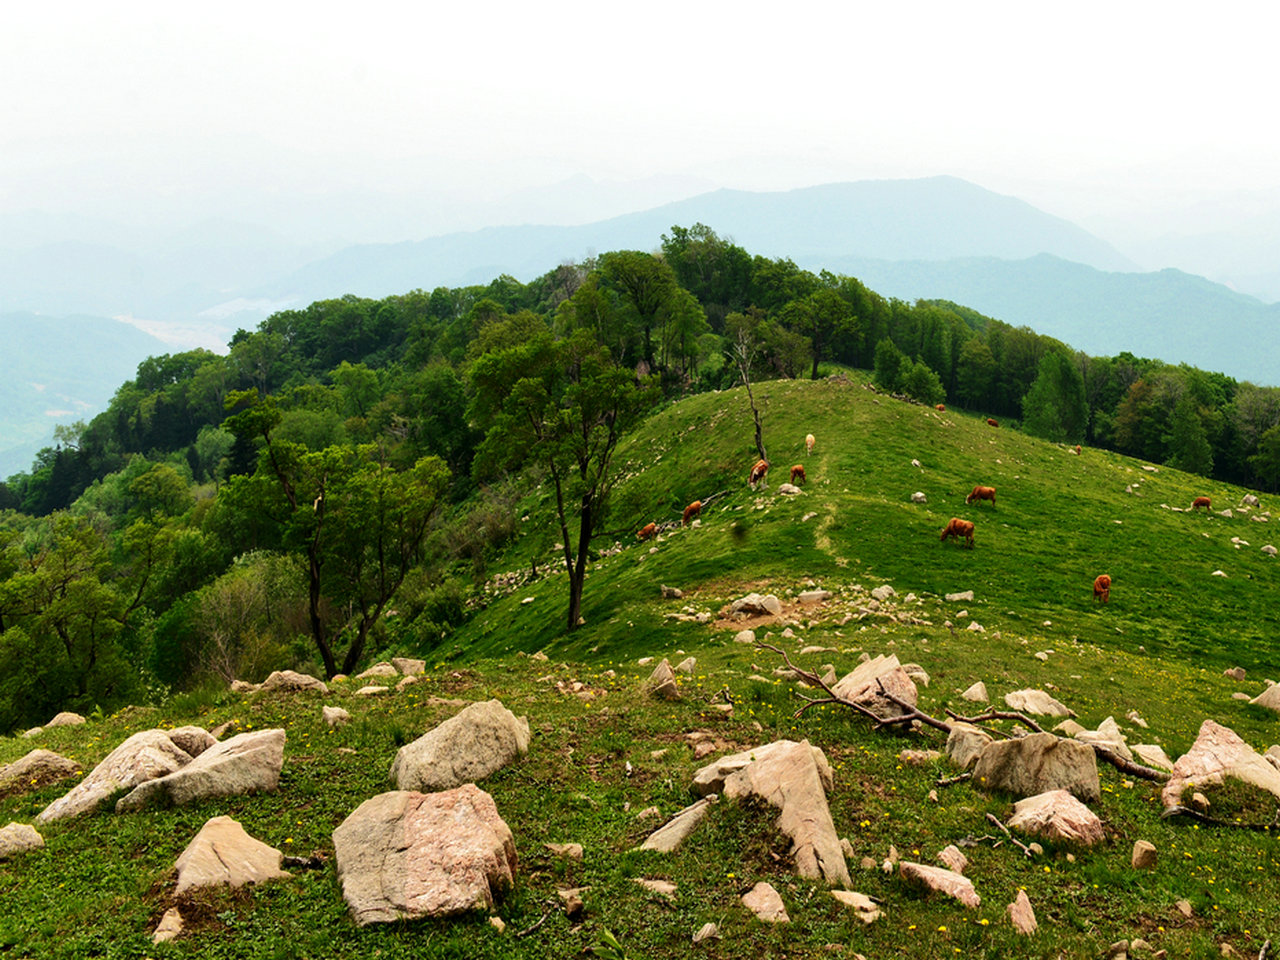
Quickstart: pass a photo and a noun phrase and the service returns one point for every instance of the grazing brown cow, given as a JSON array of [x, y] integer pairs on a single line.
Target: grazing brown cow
[[982, 493], [941, 408], [691, 511], [808, 445], [1201, 502], [960, 529], [1077, 448], [1102, 588], [758, 473], [797, 474], [991, 423], [647, 531]]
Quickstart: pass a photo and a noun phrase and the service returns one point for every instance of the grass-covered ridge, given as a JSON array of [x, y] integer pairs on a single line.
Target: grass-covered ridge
[[1158, 648]]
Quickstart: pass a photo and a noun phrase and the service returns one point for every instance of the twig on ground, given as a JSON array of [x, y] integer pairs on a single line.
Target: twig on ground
[[1181, 811], [1026, 851], [528, 930], [998, 715], [949, 781]]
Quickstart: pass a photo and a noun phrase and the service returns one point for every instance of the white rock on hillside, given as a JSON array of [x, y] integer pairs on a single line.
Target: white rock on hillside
[[222, 853], [403, 855], [755, 603], [1218, 754], [143, 756], [942, 881], [247, 763], [675, 831], [469, 746], [18, 838], [1037, 702], [66, 719], [863, 686], [764, 902], [977, 693], [36, 769], [794, 778], [409, 667], [1037, 764], [382, 669], [1057, 815], [289, 681]]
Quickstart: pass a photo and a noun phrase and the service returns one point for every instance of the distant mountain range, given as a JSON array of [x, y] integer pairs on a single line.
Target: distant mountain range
[[939, 237], [57, 371]]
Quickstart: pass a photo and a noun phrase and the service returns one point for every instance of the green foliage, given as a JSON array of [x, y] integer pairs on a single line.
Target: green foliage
[[890, 366], [919, 382], [1189, 448], [1055, 407]]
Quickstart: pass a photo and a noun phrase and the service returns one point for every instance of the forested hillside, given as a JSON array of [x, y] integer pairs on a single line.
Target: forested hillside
[[344, 478]]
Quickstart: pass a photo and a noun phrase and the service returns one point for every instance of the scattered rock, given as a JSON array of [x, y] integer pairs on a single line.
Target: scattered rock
[[764, 902], [919, 758], [1144, 855], [1036, 702], [755, 604], [1108, 736], [65, 719], [1235, 673], [169, 928], [788, 489], [1269, 549], [408, 666], [810, 597], [708, 931], [288, 681], [664, 888], [469, 746], [964, 596], [675, 831], [687, 664], [382, 669], [222, 853], [1057, 815], [1036, 764], [884, 593], [864, 908], [1152, 755], [247, 763], [373, 690], [18, 838], [792, 777], [671, 593], [939, 880], [919, 497], [1184, 908], [745, 636], [498, 924], [1069, 728], [951, 858], [977, 693], [662, 682], [1269, 698], [33, 732], [403, 855], [1021, 915]]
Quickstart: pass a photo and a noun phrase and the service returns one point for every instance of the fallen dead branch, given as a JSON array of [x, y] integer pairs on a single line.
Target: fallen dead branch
[[1026, 851], [1181, 811]]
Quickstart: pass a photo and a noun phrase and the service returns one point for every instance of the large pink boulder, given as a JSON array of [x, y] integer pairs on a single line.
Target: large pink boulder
[[1218, 754]]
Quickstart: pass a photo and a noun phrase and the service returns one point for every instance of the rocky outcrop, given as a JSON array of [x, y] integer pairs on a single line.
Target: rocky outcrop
[[222, 853], [404, 855], [1038, 764], [1219, 754], [755, 604], [469, 746], [794, 778], [1021, 915], [247, 763], [289, 681], [144, 756]]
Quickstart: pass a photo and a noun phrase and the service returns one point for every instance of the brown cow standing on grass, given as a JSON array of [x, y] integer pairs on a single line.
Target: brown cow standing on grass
[[1201, 502], [992, 423], [960, 529], [691, 511], [797, 474], [758, 473], [982, 493], [1102, 588], [941, 408], [647, 531]]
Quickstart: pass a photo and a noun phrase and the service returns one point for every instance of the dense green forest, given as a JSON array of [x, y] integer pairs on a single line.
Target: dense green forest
[[342, 479]]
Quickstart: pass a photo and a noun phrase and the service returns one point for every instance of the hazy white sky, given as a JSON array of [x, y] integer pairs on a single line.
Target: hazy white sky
[[177, 111]]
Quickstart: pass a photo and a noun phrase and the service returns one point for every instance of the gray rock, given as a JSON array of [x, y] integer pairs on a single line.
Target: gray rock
[[382, 669], [169, 928], [409, 667], [404, 855], [1021, 915], [1269, 698], [964, 596], [223, 854], [193, 740], [18, 838], [1152, 755], [809, 597], [66, 719], [977, 693], [32, 732], [965, 744], [919, 497], [142, 757], [884, 593], [1037, 764], [1036, 702], [755, 604], [662, 682], [466, 748], [245, 764], [1144, 855], [788, 489], [687, 664], [708, 931], [745, 636], [864, 908]]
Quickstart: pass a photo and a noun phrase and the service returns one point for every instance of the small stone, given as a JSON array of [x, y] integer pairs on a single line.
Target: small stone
[[1184, 908], [951, 858], [764, 902], [1021, 914], [169, 927], [569, 851], [866, 863], [335, 716], [708, 931], [1144, 855], [664, 888], [497, 923], [864, 908]]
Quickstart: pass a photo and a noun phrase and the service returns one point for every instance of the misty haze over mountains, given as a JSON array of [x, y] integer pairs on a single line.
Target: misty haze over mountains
[[939, 237]]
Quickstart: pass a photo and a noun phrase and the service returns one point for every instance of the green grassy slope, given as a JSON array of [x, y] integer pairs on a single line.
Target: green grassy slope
[[1158, 648]]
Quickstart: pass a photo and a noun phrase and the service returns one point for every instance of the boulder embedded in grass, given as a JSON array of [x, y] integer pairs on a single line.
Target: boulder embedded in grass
[[469, 746]]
